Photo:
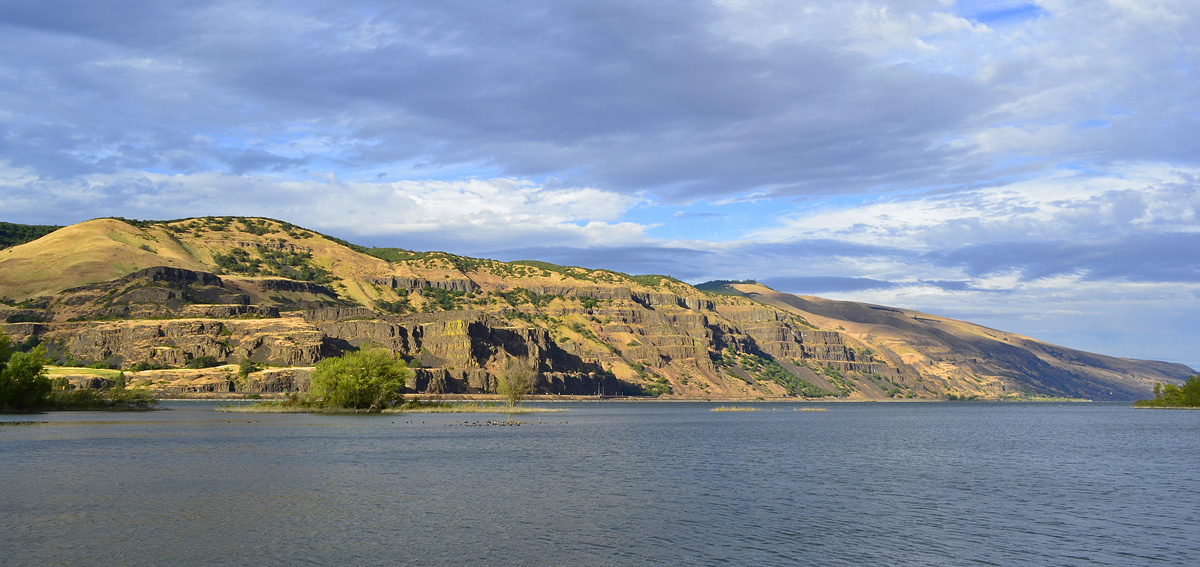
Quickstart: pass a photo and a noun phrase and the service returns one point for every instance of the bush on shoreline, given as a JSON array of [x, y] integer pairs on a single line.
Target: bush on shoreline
[[26, 386], [299, 404], [1172, 396], [368, 380]]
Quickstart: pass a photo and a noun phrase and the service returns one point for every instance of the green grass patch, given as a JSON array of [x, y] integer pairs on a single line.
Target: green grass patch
[[112, 399], [65, 371]]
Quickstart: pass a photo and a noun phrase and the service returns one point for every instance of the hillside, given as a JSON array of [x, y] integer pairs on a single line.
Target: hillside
[[989, 362], [132, 294]]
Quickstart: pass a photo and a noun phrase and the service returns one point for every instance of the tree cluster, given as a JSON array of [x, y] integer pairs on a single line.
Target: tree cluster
[[24, 384], [1172, 396], [369, 379]]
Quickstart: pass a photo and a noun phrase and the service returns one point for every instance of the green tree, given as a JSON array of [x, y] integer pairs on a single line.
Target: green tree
[[247, 367], [516, 382], [23, 381], [206, 361], [1170, 395], [369, 379]]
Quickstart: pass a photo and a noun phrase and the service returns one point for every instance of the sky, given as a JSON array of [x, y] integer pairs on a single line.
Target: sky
[[1029, 166]]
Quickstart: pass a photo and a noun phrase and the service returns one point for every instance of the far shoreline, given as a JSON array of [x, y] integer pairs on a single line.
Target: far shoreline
[[553, 398], [449, 408]]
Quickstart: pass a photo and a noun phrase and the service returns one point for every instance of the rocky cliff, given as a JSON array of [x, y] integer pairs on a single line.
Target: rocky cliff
[[228, 289]]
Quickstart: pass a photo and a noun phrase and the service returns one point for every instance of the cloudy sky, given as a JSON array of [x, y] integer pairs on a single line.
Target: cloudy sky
[[1031, 166]]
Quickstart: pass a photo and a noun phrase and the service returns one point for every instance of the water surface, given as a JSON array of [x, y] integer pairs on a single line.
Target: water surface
[[607, 484]]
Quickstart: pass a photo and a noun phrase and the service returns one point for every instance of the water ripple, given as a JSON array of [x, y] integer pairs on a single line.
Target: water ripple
[[618, 484]]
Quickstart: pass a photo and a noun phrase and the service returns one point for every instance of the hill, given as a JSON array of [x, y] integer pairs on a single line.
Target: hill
[[166, 294], [989, 362]]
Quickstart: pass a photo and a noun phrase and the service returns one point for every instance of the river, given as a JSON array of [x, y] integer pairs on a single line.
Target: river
[[606, 483]]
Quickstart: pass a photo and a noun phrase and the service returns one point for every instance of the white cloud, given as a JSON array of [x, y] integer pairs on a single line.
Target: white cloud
[[1065, 205], [472, 212], [1140, 320], [992, 143]]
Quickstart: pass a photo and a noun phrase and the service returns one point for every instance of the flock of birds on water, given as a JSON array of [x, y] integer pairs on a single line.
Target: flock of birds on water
[[496, 423]]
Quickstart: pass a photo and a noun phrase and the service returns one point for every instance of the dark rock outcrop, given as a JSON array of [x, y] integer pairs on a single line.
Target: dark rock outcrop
[[416, 284]]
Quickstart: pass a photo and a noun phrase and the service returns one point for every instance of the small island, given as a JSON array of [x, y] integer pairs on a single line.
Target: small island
[[1172, 396], [370, 381]]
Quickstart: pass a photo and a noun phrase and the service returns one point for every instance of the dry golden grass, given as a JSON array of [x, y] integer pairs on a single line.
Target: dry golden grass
[[104, 249], [85, 253]]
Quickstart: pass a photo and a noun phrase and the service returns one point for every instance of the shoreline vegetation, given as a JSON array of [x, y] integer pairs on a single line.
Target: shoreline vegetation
[[27, 387], [410, 406], [1170, 396], [370, 381], [548, 398]]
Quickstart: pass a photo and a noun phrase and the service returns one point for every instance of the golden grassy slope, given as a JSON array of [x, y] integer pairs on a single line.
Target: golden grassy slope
[[962, 357], [84, 253], [104, 249]]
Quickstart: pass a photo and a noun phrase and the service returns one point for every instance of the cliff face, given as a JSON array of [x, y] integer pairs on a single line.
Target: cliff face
[[237, 289], [974, 361]]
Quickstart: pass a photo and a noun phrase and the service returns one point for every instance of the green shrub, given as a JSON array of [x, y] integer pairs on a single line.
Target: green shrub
[[23, 381], [400, 306], [1172, 396], [205, 361], [144, 365], [367, 379], [443, 299], [115, 399], [246, 366], [25, 318]]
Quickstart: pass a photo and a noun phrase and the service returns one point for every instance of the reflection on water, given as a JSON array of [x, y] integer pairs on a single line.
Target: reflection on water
[[606, 484]]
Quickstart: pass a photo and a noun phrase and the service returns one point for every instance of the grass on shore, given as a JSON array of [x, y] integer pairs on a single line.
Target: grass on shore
[[734, 408]]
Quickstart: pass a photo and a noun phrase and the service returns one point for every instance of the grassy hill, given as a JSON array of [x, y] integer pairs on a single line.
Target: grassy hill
[[161, 294], [990, 362]]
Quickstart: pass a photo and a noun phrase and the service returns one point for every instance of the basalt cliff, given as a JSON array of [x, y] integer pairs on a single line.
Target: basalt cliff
[[156, 297]]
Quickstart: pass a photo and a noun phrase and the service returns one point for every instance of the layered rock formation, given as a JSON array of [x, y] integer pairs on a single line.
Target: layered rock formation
[[228, 290]]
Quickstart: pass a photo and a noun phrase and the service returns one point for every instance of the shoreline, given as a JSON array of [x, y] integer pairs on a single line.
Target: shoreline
[[552, 398], [452, 408]]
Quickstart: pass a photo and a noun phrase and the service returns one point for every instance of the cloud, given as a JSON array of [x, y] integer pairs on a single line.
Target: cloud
[[919, 151], [628, 96], [448, 215], [679, 262], [682, 99], [813, 285], [1076, 205]]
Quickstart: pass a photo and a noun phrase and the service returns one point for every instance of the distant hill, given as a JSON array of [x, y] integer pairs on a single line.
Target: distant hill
[[164, 294], [993, 362]]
